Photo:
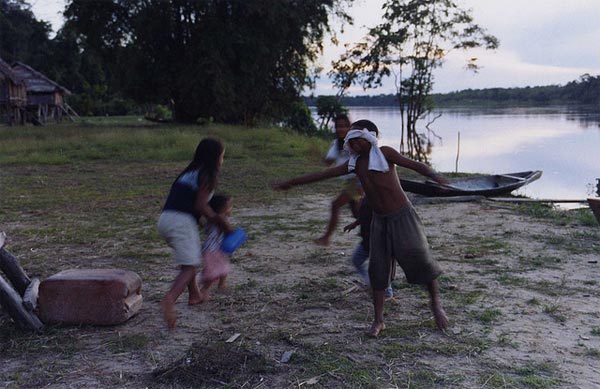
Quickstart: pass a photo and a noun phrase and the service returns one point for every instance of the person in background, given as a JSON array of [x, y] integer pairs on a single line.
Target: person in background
[[352, 191]]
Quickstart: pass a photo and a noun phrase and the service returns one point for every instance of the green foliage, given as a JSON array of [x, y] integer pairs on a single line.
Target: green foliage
[[328, 107], [582, 91], [234, 61], [300, 119], [22, 37]]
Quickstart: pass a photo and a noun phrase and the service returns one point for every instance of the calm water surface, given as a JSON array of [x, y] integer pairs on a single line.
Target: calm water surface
[[562, 142]]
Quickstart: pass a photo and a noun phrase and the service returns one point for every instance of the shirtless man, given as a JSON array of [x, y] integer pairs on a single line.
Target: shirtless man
[[397, 231]]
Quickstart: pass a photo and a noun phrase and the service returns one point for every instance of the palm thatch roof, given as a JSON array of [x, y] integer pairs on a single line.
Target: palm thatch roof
[[35, 81]]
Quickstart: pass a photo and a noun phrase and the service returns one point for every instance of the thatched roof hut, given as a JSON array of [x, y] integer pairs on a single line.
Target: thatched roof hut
[[43, 94], [40, 89], [13, 94]]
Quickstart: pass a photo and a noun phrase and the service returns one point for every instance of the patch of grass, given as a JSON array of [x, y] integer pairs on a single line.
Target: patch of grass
[[478, 246], [596, 331], [207, 366], [554, 311], [329, 367], [128, 343], [581, 216], [592, 352], [465, 298], [489, 315], [530, 375], [539, 261], [508, 279]]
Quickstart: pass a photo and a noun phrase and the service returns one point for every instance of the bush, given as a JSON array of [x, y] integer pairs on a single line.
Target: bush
[[300, 120]]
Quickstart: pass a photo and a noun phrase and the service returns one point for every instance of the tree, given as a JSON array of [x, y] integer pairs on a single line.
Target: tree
[[328, 107], [22, 37], [411, 42], [233, 61]]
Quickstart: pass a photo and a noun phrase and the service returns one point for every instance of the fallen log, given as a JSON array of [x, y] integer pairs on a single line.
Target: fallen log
[[13, 304], [9, 264]]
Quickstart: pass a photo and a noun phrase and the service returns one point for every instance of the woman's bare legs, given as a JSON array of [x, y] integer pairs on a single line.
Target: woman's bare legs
[[186, 275]]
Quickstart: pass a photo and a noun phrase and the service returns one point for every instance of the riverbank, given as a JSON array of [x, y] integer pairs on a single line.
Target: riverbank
[[520, 283], [521, 293]]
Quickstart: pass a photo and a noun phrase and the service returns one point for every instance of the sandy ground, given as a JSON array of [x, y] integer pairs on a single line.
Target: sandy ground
[[522, 295]]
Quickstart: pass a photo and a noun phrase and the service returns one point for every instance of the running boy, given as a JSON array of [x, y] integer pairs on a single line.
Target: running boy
[[351, 192], [396, 230]]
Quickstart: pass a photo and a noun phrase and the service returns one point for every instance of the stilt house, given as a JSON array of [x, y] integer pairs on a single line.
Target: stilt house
[[45, 98], [13, 95]]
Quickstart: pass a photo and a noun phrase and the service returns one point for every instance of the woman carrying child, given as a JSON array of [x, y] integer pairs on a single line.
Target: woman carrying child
[[178, 223]]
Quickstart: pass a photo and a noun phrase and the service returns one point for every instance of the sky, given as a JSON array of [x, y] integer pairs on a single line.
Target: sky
[[542, 42]]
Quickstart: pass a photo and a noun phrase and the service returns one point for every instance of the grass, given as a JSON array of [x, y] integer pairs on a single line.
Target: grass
[[580, 216]]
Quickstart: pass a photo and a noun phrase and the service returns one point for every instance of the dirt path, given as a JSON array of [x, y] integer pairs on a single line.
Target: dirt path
[[522, 295]]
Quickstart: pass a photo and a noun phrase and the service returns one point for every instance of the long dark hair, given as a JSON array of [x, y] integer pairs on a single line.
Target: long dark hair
[[206, 159]]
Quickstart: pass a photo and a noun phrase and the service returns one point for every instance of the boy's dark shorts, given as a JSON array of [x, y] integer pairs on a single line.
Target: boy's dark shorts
[[400, 235]]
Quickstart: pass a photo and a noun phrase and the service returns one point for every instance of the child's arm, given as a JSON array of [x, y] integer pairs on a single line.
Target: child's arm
[[312, 177], [202, 208], [395, 157]]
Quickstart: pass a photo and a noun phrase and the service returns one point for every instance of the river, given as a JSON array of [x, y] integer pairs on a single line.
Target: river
[[563, 142]]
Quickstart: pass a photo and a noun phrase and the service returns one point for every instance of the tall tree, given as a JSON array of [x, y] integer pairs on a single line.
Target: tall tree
[[23, 37], [234, 61], [411, 42]]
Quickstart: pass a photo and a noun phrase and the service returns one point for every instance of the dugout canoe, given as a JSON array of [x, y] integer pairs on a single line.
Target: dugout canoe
[[595, 207], [480, 185]]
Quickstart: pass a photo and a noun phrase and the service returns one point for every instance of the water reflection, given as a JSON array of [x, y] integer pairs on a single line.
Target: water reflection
[[563, 142]]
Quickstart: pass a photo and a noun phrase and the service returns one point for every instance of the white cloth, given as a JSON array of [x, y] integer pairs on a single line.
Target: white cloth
[[377, 160], [339, 157]]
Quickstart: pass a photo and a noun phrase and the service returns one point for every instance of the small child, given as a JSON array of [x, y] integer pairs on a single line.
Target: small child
[[216, 262], [361, 252]]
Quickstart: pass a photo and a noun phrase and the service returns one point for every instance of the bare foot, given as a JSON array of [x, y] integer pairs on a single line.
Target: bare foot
[[204, 297], [169, 313], [375, 329], [322, 241], [441, 320], [196, 300]]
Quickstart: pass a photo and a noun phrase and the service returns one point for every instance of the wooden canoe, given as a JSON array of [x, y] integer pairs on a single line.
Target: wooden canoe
[[595, 206], [481, 185]]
